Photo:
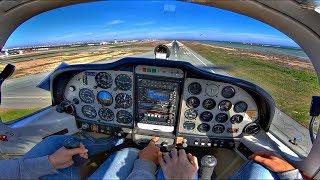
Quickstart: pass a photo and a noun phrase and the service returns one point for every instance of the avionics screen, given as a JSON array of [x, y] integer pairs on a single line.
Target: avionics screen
[[158, 95]]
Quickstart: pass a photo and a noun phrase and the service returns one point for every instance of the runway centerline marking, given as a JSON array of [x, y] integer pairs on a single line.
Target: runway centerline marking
[[197, 58]]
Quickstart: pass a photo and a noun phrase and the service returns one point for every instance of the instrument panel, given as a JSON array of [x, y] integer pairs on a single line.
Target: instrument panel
[[102, 96], [164, 98], [215, 109]]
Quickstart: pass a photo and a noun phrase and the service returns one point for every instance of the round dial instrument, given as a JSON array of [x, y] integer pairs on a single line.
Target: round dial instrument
[[191, 114], [104, 80], [236, 119], [221, 117], [252, 128], [225, 105], [123, 82], [89, 111], [123, 100], [194, 88], [240, 107], [106, 114], [228, 92], [206, 116], [104, 98], [193, 102], [86, 95], [124, 117], [189, 125], [204, 127], [212, 90], [218, 128], [209, 104]]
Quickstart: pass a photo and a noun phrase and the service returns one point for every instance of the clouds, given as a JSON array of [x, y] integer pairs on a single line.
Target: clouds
[[115, 21], [144, 23]]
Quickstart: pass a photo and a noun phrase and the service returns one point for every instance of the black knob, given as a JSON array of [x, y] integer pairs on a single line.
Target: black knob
[[71, 143], [208, 162]]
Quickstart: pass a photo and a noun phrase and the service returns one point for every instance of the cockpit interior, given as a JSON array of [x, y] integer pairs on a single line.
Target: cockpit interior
[[187, 107]]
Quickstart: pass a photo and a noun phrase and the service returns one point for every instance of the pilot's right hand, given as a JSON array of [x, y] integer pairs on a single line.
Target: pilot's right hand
[[62, 158], [179, 165], [272, 162], [151, 152]]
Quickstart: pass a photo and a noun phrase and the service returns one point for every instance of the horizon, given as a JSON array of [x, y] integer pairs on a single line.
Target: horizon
[[90, 22], [99, 41]]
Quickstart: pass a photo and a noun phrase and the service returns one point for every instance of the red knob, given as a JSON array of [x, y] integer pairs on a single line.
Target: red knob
[[3, 137]]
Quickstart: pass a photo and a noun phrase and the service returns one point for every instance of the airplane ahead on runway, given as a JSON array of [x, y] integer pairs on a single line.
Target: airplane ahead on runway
[[175, 100]]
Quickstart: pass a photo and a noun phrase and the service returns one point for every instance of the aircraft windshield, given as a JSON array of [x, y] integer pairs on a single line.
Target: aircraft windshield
[[213, 39]]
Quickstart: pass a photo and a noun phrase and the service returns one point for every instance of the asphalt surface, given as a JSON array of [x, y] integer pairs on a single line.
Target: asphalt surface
[[22, 93]]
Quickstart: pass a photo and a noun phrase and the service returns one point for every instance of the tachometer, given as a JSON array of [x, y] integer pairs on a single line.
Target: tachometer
[[206, 116], [228, 92], [104, 80], [225, 105], [123, 82], [86, 95], [104, 98], [194, 88], [124, 117], [106, 114], [89, 111], [209, 104], [123, 100], [193, 102]]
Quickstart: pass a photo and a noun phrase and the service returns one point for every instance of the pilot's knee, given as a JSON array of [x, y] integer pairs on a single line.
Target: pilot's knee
[[56, 138]]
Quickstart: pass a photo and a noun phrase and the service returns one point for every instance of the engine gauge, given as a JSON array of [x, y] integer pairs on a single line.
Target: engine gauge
[[86, 95], [218, 128], [104, 98], [193, 102], [104, 80], [204, 127], [240, 107], [206, 116], [212, 90], [123, 82], [123, 100], [236, 119], [191, 114], [252, 128], [209, 104], [225, 105], [89, 111], [189, 125], [194, 88], [124, 117], [221, 117], [228, 92], [106, 114]]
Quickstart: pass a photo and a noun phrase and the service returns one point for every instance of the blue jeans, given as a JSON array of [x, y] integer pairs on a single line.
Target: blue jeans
[[120, 164], [252, 170], [51, 144]]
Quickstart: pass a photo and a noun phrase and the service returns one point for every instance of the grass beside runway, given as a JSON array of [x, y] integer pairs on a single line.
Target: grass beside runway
[[290, 85], [8, 115]]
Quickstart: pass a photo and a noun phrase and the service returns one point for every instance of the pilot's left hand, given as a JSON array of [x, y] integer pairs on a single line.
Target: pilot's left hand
[[62, 158], [151, 152]]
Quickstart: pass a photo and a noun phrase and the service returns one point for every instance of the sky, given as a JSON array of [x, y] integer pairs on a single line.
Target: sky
[[109, 20]]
